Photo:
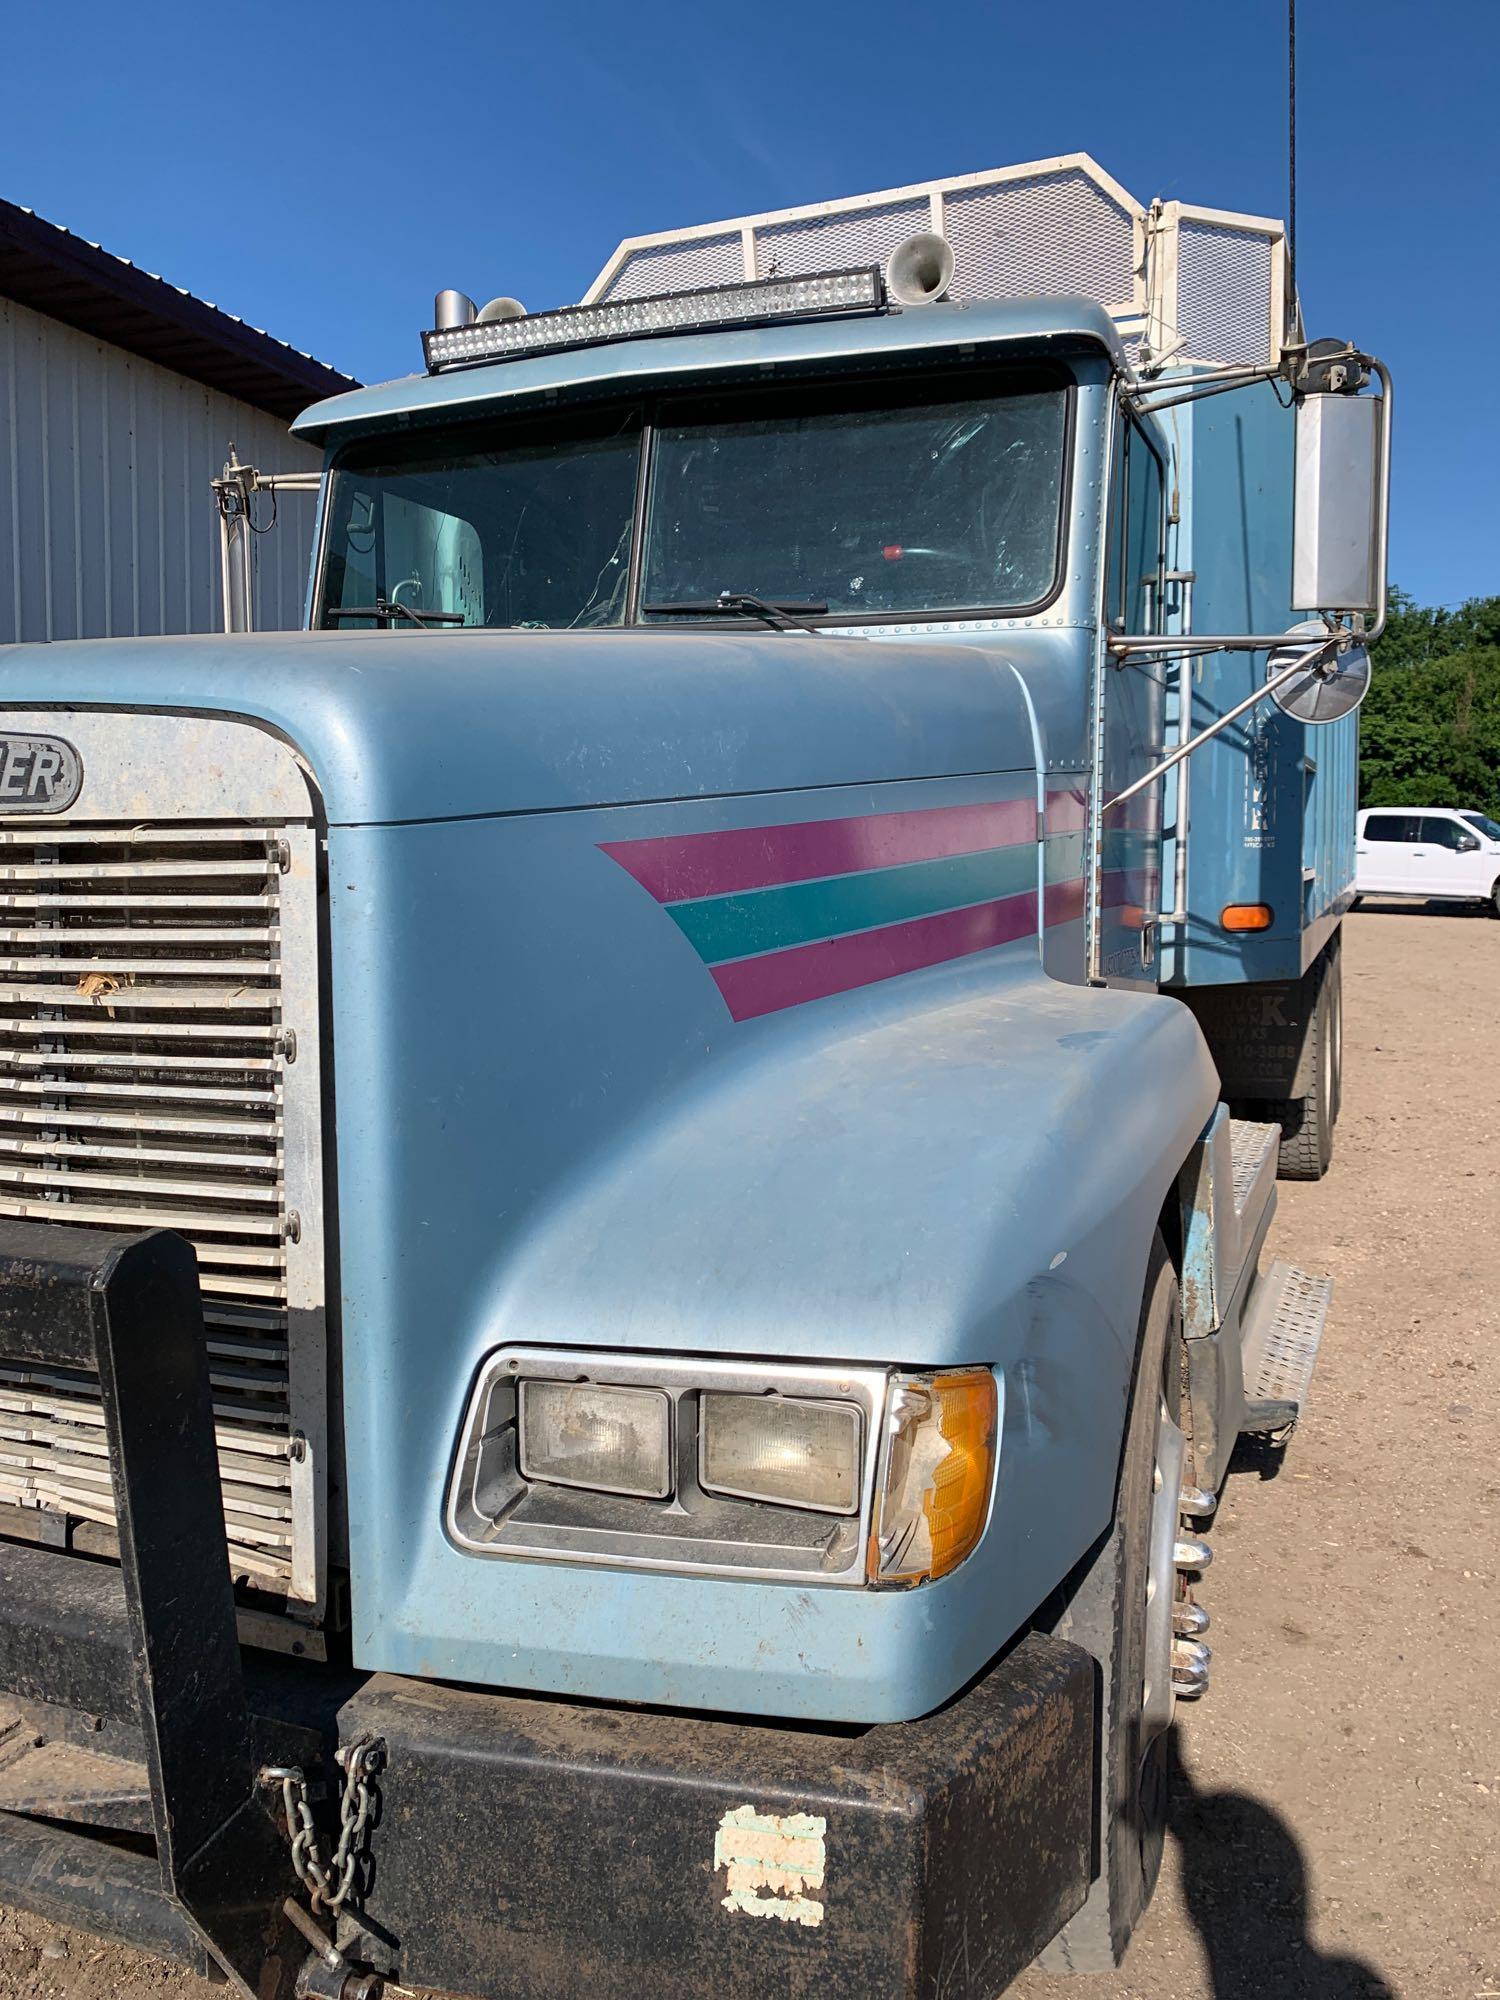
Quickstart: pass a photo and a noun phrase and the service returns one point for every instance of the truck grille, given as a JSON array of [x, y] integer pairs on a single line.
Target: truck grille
[[144, 1064]]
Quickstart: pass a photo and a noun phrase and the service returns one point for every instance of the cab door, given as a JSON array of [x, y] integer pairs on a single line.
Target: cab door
[[1386, 859], [1449, 852]]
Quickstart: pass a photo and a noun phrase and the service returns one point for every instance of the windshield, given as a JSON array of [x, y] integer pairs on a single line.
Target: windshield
[[510, 528], [1484, 823], [884, 500], [940, 503]]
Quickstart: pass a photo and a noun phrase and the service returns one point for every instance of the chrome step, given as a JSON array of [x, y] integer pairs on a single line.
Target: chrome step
[[1282, 1330]]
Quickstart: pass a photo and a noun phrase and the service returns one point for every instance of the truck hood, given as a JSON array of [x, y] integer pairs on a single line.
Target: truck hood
[[445, 725]]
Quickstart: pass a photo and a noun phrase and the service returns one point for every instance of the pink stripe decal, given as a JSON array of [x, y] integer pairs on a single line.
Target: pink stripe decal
[[677, 867], [753, 986]]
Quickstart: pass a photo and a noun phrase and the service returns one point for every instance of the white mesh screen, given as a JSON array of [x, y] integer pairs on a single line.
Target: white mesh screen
[[1055, 232], [1223, 293], [679, 267], [1054, 235], [837, 242]]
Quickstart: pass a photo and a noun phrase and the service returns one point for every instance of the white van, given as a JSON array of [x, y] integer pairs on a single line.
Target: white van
[[1438, 852]]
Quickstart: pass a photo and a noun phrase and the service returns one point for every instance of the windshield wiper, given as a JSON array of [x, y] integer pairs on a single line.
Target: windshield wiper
[[785, 614], [390, 607]]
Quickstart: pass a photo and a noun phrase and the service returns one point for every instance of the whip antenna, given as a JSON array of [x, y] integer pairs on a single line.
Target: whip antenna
[[1291, 169]]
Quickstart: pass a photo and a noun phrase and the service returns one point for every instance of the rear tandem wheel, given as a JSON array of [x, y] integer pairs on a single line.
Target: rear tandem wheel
[[1307, 1122]]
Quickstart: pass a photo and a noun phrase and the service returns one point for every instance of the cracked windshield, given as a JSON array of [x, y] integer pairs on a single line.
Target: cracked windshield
[[902, 499]]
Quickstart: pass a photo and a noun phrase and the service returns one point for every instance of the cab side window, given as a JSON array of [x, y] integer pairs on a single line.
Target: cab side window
[[1145, 533], [1392, 826], [1136, 549], [1442, 833]]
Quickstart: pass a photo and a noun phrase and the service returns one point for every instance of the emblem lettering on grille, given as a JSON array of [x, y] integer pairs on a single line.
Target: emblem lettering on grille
[[38, 774]]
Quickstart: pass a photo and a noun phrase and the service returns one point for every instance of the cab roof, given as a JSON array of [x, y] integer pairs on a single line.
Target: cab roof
[[1040, 326]]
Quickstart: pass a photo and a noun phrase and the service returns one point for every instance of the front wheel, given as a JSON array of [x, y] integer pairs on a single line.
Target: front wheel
[[1111, 1616], [1495, 900]]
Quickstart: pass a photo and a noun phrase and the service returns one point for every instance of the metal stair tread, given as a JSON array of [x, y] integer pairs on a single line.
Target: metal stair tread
[[50, 1778], [1283, 1329], [1253, 1150]]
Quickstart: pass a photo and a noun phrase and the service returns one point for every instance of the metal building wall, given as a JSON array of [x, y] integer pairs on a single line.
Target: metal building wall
[[107, 520]]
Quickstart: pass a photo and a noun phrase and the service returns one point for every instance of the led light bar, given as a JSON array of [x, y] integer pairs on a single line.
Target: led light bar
[[823, 295]]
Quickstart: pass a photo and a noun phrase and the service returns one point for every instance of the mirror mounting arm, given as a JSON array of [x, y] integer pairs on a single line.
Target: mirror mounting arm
[[1309, 369], [1234, 642]]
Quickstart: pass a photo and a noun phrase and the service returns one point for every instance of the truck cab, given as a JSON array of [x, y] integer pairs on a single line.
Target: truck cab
[[677, 1101]]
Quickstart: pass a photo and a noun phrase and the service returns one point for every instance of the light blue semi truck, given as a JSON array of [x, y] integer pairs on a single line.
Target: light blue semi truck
[[676, 1107]]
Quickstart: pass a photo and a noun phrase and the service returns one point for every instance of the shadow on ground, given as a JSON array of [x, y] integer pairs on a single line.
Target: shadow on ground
[[1244, 1881], [1376, 905]]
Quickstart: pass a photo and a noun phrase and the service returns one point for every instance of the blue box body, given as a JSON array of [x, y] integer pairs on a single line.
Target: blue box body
[[1272, 800]]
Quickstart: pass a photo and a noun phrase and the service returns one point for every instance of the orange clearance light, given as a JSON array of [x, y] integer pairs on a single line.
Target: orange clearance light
[[936, 1476], [1247, 916]]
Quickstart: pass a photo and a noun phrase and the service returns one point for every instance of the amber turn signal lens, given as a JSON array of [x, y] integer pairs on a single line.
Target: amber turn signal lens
[[1246, 916], [936, 1476]]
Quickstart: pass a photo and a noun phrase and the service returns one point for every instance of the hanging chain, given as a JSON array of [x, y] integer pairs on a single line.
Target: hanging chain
[[330, 1882]]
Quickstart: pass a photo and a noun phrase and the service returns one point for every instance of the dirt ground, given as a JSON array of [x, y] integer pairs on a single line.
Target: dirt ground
[[1336, 1829]]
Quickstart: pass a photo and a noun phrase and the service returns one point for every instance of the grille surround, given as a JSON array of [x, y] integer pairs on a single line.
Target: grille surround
[[159, 1045]]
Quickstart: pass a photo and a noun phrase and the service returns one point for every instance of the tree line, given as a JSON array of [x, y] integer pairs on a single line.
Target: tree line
[[1430, 725]]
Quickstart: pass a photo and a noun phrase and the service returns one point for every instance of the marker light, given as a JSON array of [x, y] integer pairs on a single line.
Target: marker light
[[613, 1440], [792, 1451], [1247, 916], [936, 1475], [825, 294]]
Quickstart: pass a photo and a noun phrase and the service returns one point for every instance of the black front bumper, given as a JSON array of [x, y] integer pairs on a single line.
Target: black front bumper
[[522, 1849], [538, 1850]]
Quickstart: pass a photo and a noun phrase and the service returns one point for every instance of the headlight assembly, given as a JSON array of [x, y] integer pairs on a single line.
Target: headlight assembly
[[777, 1471]]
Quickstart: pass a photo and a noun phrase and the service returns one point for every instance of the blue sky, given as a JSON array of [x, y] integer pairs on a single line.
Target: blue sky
[[322, 169]]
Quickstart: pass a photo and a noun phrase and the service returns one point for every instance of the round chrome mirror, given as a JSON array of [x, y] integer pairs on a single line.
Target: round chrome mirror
[[1332, 687]]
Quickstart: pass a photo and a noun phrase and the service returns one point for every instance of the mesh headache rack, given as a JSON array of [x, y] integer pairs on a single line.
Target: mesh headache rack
[[1185, 285]]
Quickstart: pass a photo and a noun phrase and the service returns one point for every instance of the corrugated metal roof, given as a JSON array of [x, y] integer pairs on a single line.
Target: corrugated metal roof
[[48, 268]]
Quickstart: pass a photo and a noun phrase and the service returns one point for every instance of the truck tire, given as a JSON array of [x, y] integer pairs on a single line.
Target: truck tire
[[1106, 1615], [1495, 900], [1307, 1122]]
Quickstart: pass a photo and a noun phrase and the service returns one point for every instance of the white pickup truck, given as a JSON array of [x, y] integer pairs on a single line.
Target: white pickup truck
[[1431, 852]]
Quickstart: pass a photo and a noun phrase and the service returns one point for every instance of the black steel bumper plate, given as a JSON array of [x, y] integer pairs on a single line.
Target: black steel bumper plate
[[536, 1850]]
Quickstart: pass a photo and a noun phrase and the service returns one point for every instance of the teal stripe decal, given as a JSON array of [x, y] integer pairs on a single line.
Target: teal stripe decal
[[760, 920]]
